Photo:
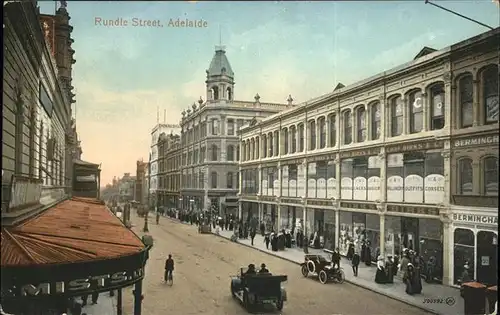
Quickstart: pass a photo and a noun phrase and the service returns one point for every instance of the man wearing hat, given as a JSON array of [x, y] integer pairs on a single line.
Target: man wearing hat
[[263, 268]]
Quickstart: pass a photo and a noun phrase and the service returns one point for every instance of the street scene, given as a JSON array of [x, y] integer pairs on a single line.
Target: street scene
[[234, 157]]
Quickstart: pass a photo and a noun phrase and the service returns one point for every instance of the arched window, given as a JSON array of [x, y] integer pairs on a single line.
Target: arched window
[[264, 146], [490, 175], [490, 94], [230, 152], [465, 86], [285, 140], [293, 132], [229, 180], [301, 137], [416, 111], [270, 148], [347, 117], [312, 135], [213, 180], [248, 150], [361, 122], [322, 132], [276, 143], [215, 152], [375, 121], [257, 148], [229, 94], [215, 93], [465, 174], [252, 149], [332, 122], [396, 116], [437, 106]]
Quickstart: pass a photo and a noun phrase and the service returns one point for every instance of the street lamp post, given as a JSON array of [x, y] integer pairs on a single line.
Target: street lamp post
[[146, 228]]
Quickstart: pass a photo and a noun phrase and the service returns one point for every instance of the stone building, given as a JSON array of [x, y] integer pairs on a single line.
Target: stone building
[[140, 193], [169, 161], [209, 139], [397, 160]]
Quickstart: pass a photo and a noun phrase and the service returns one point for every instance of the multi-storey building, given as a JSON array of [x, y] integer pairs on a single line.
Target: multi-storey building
[[401, 159], [169, 161], [209, 139], [140, 193], [127, 187], [153, 159]]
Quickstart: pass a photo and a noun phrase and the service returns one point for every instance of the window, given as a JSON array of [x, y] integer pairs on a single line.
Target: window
[[203, 151], [301, 138], [213, 180], [276, 143], [230, 153], [312, 135], [270, 137], [293, 132], [215, 152], [285, 141], [264, 146], [237, 153], [215, 93], [490, 95], [466, 99], [215, 127], [437, 107], [397, 116], [322, 132], [333, 130], [229, 94], [361, 116], [416, 111], [230, 127], [347, 127], [257, 148], [490, 169], [376, 124], [252, 149], [248, 150], [229, 180], [465, 174]]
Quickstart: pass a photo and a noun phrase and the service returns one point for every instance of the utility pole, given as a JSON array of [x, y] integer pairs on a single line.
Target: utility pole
[[458, 14], [146, 228]]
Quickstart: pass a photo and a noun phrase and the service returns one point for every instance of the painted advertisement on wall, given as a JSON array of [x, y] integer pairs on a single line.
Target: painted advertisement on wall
[[360, 178], [285, 181], [321, 182], [301, 182], [415, 177], [289, 177]]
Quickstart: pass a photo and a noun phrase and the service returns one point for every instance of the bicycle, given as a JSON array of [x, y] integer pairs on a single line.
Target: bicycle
[[169, 278]]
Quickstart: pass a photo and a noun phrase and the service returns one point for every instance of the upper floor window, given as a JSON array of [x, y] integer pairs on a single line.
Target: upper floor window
[[490, 94], [230, 127], [271, 144], [215, 153], [322, 132], [230, 153], [285, 141], [213, 180], [215, 127], [264, 146], [416, 111], [490, 169], [437, 106], [361, 117], [347, 117], [312, 135], [465, 177], [376, 121], [237, 153], [333, 130], [396, 116], [293, 133], [229, 180], [252, 149], [248, 149], [301, 138], [465, 86], [276, 143], [257, 148]]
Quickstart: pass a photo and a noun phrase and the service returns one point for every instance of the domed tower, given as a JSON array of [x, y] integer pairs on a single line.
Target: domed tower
[[220, 77]]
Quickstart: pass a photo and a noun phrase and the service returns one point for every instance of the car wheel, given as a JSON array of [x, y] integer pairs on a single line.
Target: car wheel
[[304, 270], [323, 277], [311, 267], [340, 276], [279, 304], [232, 290]]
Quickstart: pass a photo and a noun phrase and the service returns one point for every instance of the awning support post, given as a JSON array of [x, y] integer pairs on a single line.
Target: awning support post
[[138, 298], [119, 302]]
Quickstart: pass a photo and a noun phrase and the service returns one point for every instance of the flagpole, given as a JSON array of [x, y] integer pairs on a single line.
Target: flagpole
[[458, 14]]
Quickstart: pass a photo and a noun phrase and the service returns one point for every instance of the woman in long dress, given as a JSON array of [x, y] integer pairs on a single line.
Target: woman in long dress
[[409, 276], [380, 276]]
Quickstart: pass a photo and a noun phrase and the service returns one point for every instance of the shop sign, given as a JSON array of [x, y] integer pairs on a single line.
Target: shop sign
[[316, 202], [25, 192], [416, 189], [86, 179], [100, 282], [475, 141], [291, 200], [292, 162], [356, 153], [416, 146], [358, 205], [328, 157], [472, 218], [413, 210], [268, 198]]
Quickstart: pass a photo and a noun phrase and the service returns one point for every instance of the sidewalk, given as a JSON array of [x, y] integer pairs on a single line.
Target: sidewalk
[[365, 279], [106, 305]]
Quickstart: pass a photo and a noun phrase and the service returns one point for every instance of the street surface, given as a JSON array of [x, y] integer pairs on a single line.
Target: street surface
[[204, 264]]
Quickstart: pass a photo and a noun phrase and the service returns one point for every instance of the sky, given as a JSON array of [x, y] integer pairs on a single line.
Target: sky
[[123, 75]]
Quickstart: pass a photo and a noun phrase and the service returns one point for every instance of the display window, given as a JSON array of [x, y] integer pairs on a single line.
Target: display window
[[329, 230], [345, 232], [463, 254]]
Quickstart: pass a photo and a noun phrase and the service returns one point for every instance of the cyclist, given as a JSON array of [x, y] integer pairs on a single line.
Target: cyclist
[[169, 269]]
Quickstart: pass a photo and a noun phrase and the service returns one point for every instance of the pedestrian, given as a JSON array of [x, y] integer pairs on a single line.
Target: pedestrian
[[95, 296], [336, 258], [267, 240], [252, 235], [380, 275], [157, 217], [355, 263]]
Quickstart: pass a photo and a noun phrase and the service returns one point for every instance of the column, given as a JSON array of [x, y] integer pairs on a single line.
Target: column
[[337, 162], [306, 171], [327, 127], [449, 92], [279, 178], [297, 138], [447, 250], [261, 212], [406, 115], [304, 219], [447, 174], [240, 211], [354, 131], [338, 125], [368, 120], [387, 119], [476, 109], [259, 171], [138, 298], [425, 111], [318, 134], [119, 303], [337, 226], [383, 177]]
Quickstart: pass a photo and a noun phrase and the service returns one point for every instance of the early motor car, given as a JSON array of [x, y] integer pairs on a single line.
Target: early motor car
[[258, 289], [321, 267]]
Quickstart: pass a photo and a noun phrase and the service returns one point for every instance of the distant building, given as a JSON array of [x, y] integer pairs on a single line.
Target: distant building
[[140, 191], [127, 187], [169, 161]]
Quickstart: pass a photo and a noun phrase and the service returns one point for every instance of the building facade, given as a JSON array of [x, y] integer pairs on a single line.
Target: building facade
[[209, 139], [127, 187], [153, 159], [169, 151], [377, 160], [140, 193]]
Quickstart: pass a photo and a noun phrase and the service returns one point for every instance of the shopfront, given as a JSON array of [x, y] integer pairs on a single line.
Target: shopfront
[[270, 216], [292, 214], [475, 243]]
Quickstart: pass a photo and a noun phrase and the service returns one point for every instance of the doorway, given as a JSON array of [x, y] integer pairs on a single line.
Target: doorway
[[487, 258], [409, 233]]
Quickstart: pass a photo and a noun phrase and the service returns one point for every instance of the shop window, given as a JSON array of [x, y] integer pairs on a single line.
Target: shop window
[[347, 117], [465, 174], [293, 132], [437, 106], [416, 111], [264, 146], [276, 143], [487, 258], [465, 86], [257, 148], [229, 180], [396, 116], [312, 135], [329, 230], [322, 132], [346, 232], [375, 121], [490, 168], [361, 122], [285, 140], [372, 237], [301, 138], [271, 144], [463, 254], [430, 248], [213, 179], [490, 94], [333, 130]]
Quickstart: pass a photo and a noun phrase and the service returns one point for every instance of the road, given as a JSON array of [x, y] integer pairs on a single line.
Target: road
[[204, 264]]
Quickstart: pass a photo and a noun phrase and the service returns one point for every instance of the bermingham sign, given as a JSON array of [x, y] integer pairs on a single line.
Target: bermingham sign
[[472, 218], [468, 142]]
